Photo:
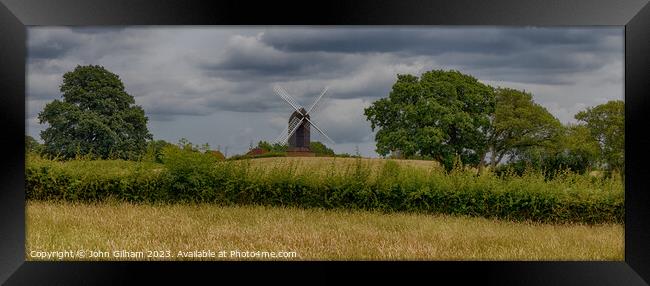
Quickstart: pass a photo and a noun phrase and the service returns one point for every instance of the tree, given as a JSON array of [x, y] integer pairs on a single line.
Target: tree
[[442, 115], [266, 146], [520, 123], [320, 148], [155, 149], [574, 150], [275, 147], [31, 145], [95, 116], [606, 123]]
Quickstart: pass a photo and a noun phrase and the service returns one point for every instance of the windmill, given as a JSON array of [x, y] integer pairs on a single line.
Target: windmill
[[298, 130]]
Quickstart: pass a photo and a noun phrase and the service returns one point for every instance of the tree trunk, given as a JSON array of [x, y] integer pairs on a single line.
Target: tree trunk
[[493, 159], [481, 164], [500, 157]]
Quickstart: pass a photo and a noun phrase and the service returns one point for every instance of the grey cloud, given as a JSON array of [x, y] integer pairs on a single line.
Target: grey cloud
[[400, 40], [247, 57], [99, 29], [433, 40], [183, 77], [522, 51], [49, 43]]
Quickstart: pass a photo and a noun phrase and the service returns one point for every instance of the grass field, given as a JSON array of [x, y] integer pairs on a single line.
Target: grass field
[[328, 164], [313, 234]]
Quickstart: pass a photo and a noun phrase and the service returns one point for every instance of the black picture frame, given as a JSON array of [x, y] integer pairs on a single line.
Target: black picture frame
[[15, 15]]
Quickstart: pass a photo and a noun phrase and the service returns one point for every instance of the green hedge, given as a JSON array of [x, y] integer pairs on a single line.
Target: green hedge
[[197, 178]]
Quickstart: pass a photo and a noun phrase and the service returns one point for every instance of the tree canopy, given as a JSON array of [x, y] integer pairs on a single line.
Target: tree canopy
[[317, 147], [449, 116], [31, 145], [520, 123], [95, 116], [444, 115], [606, 124], [320, 149], [574, 149], [275, 147]]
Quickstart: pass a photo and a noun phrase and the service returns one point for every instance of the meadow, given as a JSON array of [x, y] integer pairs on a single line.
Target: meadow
[[319, 208], [312, 234]]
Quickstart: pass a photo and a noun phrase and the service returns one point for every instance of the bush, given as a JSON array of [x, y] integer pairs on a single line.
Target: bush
[[265, 155], [548, 164], [195, 177], [154, 150], [32, 146], [191, 172]]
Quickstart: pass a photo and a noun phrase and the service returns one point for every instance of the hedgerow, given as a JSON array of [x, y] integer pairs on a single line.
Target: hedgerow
[[198, 178]]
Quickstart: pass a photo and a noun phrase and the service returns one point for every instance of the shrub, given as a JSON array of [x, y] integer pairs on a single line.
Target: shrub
[[349, 184], [191, 172], [265, 155]]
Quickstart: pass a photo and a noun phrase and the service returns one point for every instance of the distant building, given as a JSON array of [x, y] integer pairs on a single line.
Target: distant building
[[256, 151], [217, 154]]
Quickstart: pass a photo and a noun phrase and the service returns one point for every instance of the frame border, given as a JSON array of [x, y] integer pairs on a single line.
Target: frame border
[[16, 15]]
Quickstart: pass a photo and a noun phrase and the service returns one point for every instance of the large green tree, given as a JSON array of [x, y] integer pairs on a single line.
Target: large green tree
[[95, 116], [606, 123], [31, 145], [520, 123], [574, 149], [442, 114]]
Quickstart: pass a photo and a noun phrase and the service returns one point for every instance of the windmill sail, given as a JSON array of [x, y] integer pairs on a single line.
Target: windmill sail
[[321, 131], [297, 133]]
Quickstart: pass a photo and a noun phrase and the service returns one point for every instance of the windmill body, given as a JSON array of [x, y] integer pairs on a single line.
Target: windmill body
[[298, 132], [300, 139]]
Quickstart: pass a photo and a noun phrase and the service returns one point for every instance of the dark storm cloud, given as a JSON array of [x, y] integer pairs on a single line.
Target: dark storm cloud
[[246, 58], [369, 40], [183, 76], [518, 51], [434, 41], [43, 44]]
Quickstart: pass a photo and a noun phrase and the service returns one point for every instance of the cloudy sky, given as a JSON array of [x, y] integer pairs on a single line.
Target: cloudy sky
[[214, 84]]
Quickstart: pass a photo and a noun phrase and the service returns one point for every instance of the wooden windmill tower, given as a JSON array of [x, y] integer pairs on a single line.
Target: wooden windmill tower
[[298, 131]]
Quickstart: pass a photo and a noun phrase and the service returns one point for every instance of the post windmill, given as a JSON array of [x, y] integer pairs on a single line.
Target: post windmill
[[297, 133]]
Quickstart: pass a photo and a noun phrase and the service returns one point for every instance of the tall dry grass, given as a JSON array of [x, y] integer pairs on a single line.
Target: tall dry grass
[[313, 234]]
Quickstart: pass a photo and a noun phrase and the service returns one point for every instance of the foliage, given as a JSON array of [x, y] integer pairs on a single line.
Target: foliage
[[216, 153], [346, 155], [606, 123], [442, 114], [32, 146], [190, 172], [574, 150], [154, 150], [520, 123], [320, 149], [279, 150], [275, 147], [195, 177], [265, 155], [96, 116]]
